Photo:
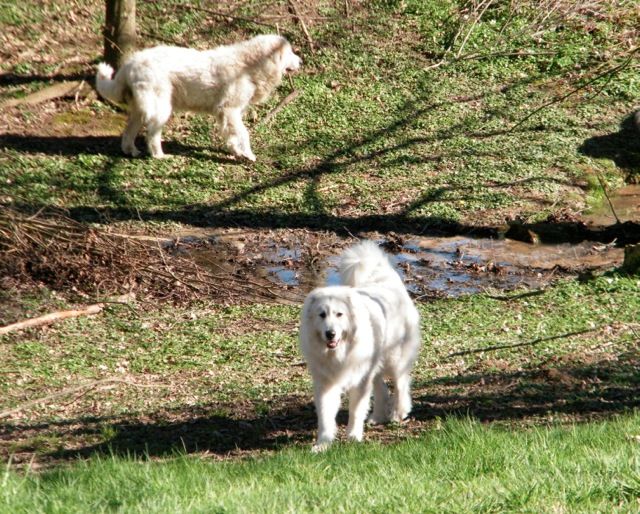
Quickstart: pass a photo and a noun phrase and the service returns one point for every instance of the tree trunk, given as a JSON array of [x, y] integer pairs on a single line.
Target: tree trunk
[[119, 31]]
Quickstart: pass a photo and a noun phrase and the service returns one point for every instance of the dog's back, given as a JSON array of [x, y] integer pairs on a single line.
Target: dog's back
[[365, 264]]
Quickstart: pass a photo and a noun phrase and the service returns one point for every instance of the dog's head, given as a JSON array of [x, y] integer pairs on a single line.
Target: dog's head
[[328, 314], [289, 61], [277, 49]]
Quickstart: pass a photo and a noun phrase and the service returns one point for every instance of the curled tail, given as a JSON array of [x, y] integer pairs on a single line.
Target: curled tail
[[110, 88], [366, 264]]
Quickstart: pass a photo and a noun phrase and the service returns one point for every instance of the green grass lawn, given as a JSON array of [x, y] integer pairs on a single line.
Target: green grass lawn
[[459, 466], [419, 117]]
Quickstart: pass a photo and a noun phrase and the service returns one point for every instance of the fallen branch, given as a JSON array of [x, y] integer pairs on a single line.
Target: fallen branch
[[510, 298], [607, 73], [298, 17], [85, 388], [52, 318], [528, 343], [283, 103]]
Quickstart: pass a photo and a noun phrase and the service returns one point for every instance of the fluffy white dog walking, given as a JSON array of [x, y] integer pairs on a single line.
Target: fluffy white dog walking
[[355, 335], [223, 81]]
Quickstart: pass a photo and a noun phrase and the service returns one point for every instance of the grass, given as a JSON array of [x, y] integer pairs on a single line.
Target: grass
[[569, 354], [408, 120], [371, 115], [462, 466]]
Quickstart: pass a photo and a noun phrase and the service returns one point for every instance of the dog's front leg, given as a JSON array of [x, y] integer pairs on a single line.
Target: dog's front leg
[[358, 408], [236, 134], [327, 405], [380, 412], [401, 397]]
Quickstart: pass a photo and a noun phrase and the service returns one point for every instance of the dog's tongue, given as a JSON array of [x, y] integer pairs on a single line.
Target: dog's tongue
[[332, 344]]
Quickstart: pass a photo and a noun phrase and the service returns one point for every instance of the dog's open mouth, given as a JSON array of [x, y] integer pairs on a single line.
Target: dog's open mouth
[[332, 344]]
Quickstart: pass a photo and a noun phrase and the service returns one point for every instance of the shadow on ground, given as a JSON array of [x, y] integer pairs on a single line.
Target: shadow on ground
[[14, 79], [622, 147], [565, 392], [388, 143], [72, 146]]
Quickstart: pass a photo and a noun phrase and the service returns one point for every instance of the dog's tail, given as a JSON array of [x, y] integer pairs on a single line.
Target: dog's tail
[[110, 88], [366, 264]]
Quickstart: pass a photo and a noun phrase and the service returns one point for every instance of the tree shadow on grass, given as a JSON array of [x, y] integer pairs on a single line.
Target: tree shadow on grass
[[381, 147], [573, 391]]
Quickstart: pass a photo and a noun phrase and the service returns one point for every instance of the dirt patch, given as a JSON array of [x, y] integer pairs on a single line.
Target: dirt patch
[[50, 249], [237, 266]]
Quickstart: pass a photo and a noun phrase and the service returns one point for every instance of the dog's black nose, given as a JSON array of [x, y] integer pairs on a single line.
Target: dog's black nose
[[330, 334]]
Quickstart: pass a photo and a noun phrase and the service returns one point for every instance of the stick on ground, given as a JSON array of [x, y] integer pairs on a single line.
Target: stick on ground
[[51, 318], [303, 25], [283, 103]]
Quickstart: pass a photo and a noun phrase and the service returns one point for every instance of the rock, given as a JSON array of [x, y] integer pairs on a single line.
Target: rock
[[520, 232], [631, 262]]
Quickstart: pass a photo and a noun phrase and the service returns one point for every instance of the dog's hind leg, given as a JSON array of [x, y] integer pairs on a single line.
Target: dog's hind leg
[[327, 405], [134, 124], [358, 407], [156, 110], [380, 412]]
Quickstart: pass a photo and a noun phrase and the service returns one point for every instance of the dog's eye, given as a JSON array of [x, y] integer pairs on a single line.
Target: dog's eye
[[338, 314], [323, 315]]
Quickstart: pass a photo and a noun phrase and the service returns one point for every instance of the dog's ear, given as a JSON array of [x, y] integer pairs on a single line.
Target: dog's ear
[[280, 55], [284, 57], [352, 314], [309, 304]]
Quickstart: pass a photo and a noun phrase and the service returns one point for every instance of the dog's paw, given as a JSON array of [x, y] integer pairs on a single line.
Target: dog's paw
[[320, 447], [355, 437], [249, 156], [399, 417], [131, 150], [377, 419]]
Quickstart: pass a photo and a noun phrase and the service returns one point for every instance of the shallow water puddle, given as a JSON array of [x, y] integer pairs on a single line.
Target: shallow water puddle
[[430, 266], [625, 202], [458, 265]]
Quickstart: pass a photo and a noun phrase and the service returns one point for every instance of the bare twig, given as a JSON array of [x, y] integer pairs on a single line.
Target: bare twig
[[303, 25], [85, 388], [479, 12], [606, 195], [283, 103]]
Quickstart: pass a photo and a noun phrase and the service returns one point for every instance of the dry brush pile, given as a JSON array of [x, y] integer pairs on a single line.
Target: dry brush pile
[[49, 248]]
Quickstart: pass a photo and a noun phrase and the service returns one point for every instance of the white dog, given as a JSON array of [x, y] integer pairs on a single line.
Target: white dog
[[222, 81], [355, 335]]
